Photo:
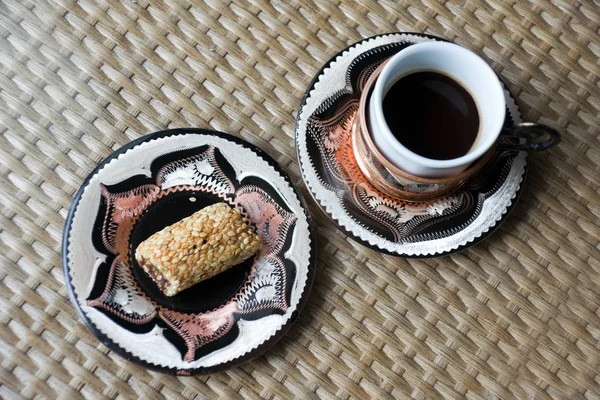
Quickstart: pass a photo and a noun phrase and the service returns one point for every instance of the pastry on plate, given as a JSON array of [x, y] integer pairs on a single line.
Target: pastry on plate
[[197, 247]]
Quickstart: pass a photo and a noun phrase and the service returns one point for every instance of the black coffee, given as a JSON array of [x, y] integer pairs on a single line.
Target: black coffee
[[432, 115]]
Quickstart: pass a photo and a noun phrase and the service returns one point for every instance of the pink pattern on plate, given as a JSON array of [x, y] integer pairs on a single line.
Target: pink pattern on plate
[[272, 221], [121, 209], [122, 296], [198, 330]]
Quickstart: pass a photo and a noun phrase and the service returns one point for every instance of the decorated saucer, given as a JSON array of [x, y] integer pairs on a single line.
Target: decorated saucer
[[378, 220], [152, 183]]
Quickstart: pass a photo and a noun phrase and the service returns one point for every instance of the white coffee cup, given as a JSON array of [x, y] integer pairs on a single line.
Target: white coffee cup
[[478, 78]]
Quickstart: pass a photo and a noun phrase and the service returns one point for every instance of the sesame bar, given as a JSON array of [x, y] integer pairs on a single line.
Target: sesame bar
[[196, 248]]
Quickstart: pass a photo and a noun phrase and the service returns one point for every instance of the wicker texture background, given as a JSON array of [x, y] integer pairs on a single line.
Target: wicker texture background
[[517, 316]]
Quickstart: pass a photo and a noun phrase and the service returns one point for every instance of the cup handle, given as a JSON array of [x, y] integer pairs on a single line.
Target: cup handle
[[538, 137]]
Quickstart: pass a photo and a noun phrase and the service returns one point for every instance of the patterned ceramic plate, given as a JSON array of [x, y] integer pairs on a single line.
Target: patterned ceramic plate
[[152, 183], [323, 141]]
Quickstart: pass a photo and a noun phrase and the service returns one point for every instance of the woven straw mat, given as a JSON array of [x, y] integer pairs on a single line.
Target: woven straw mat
[[517, 316]]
